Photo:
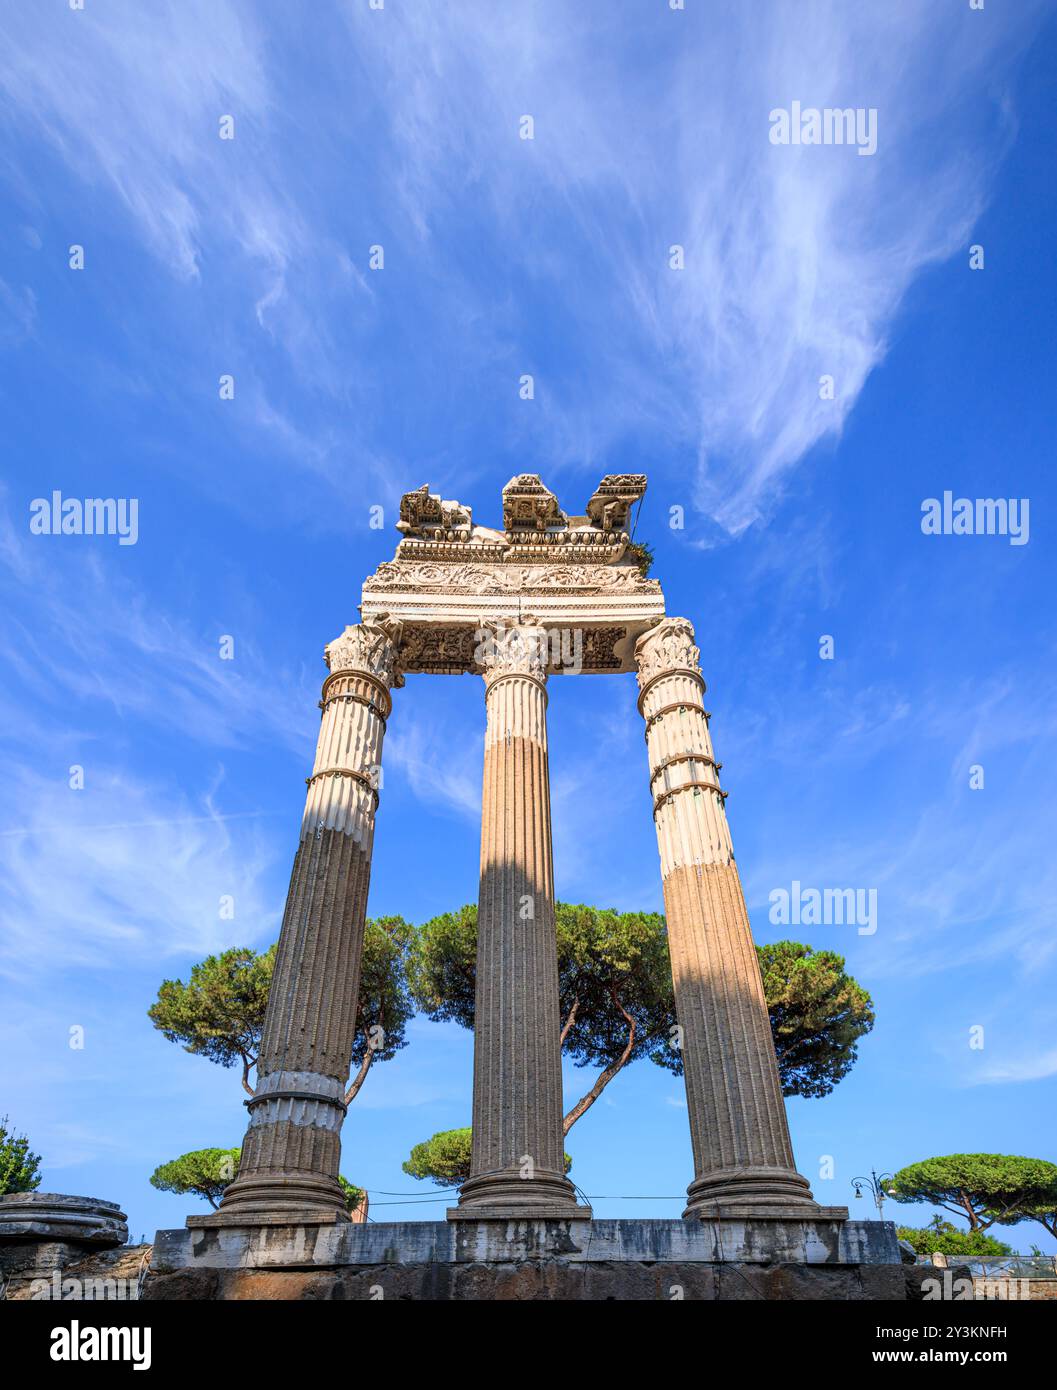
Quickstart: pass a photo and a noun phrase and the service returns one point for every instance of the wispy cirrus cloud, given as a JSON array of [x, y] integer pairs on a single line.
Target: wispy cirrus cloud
[[412, 751], [648, 134], [121, 872], [127, 95], [115, 647], [1030, 1065], [655, 133]]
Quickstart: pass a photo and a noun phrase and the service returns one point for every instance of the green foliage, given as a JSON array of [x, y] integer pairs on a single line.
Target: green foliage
[[617, 1002], [353, 1194], [606, 961], [818, 1013], [442, 967], [614, 977], [445, 1159], [642, 554], [1040, 1206], [982, 1188], [386, 1006], [614, 985], [941, 1238], [219, 1013], [205, 1172], [18, 1167]]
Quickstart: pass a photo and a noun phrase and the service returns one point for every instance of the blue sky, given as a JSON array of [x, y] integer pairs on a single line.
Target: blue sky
[[505, 256]]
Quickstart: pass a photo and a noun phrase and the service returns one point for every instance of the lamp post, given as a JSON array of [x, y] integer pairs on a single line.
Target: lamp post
[[877, 1186]]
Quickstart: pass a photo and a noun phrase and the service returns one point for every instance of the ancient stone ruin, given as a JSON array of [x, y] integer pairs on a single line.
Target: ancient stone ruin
[[544, 595]]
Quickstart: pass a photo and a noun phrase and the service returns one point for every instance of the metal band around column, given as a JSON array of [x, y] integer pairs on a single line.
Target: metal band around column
[[665, 675], [683, 758], [681, 706], [345, 772]]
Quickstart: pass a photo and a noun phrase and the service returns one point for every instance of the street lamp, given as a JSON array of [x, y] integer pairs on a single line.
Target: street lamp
[[877, 1187]]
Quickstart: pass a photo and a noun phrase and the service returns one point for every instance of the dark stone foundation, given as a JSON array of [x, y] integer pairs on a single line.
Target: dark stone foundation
[[538, 1281], [533, 1261]]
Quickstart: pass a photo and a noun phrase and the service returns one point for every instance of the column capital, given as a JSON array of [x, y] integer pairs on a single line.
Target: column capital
[[370, 649], [514, 648], [666, 648]]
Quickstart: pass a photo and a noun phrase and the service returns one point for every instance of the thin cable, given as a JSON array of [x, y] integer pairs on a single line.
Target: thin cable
[[415, 1202], [383, 1193], [587, 1196], [638, 513]]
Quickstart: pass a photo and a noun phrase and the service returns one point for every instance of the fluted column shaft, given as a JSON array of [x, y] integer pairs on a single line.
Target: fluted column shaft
[[738, 1128], [517, 1166], [290, 1155]]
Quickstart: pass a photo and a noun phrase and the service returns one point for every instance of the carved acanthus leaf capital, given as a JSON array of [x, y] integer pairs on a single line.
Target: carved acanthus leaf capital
[[372, 648], [514, 649], [669, 646]]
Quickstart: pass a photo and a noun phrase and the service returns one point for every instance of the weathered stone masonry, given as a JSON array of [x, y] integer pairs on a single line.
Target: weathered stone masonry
[[290, 1155]]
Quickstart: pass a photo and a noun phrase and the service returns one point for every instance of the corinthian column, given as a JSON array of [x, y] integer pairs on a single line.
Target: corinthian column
[[517, 1168], [743, 1160], [289, 1167]]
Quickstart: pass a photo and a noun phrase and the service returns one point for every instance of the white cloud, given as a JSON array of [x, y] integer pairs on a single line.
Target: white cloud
[[112, 647], [413, 752], [655, 133], [1029, 1066], [132, 96], [648, 133], [123, 871]]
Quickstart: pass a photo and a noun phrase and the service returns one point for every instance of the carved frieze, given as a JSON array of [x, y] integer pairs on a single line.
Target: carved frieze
[[437, 647], [455, 578], [599, 644], [452, 648]]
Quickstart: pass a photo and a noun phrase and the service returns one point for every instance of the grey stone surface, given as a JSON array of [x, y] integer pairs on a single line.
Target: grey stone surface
[[292, 1148], [488, 1243], [52, 1217], [100, 1275], [922, 1280]]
